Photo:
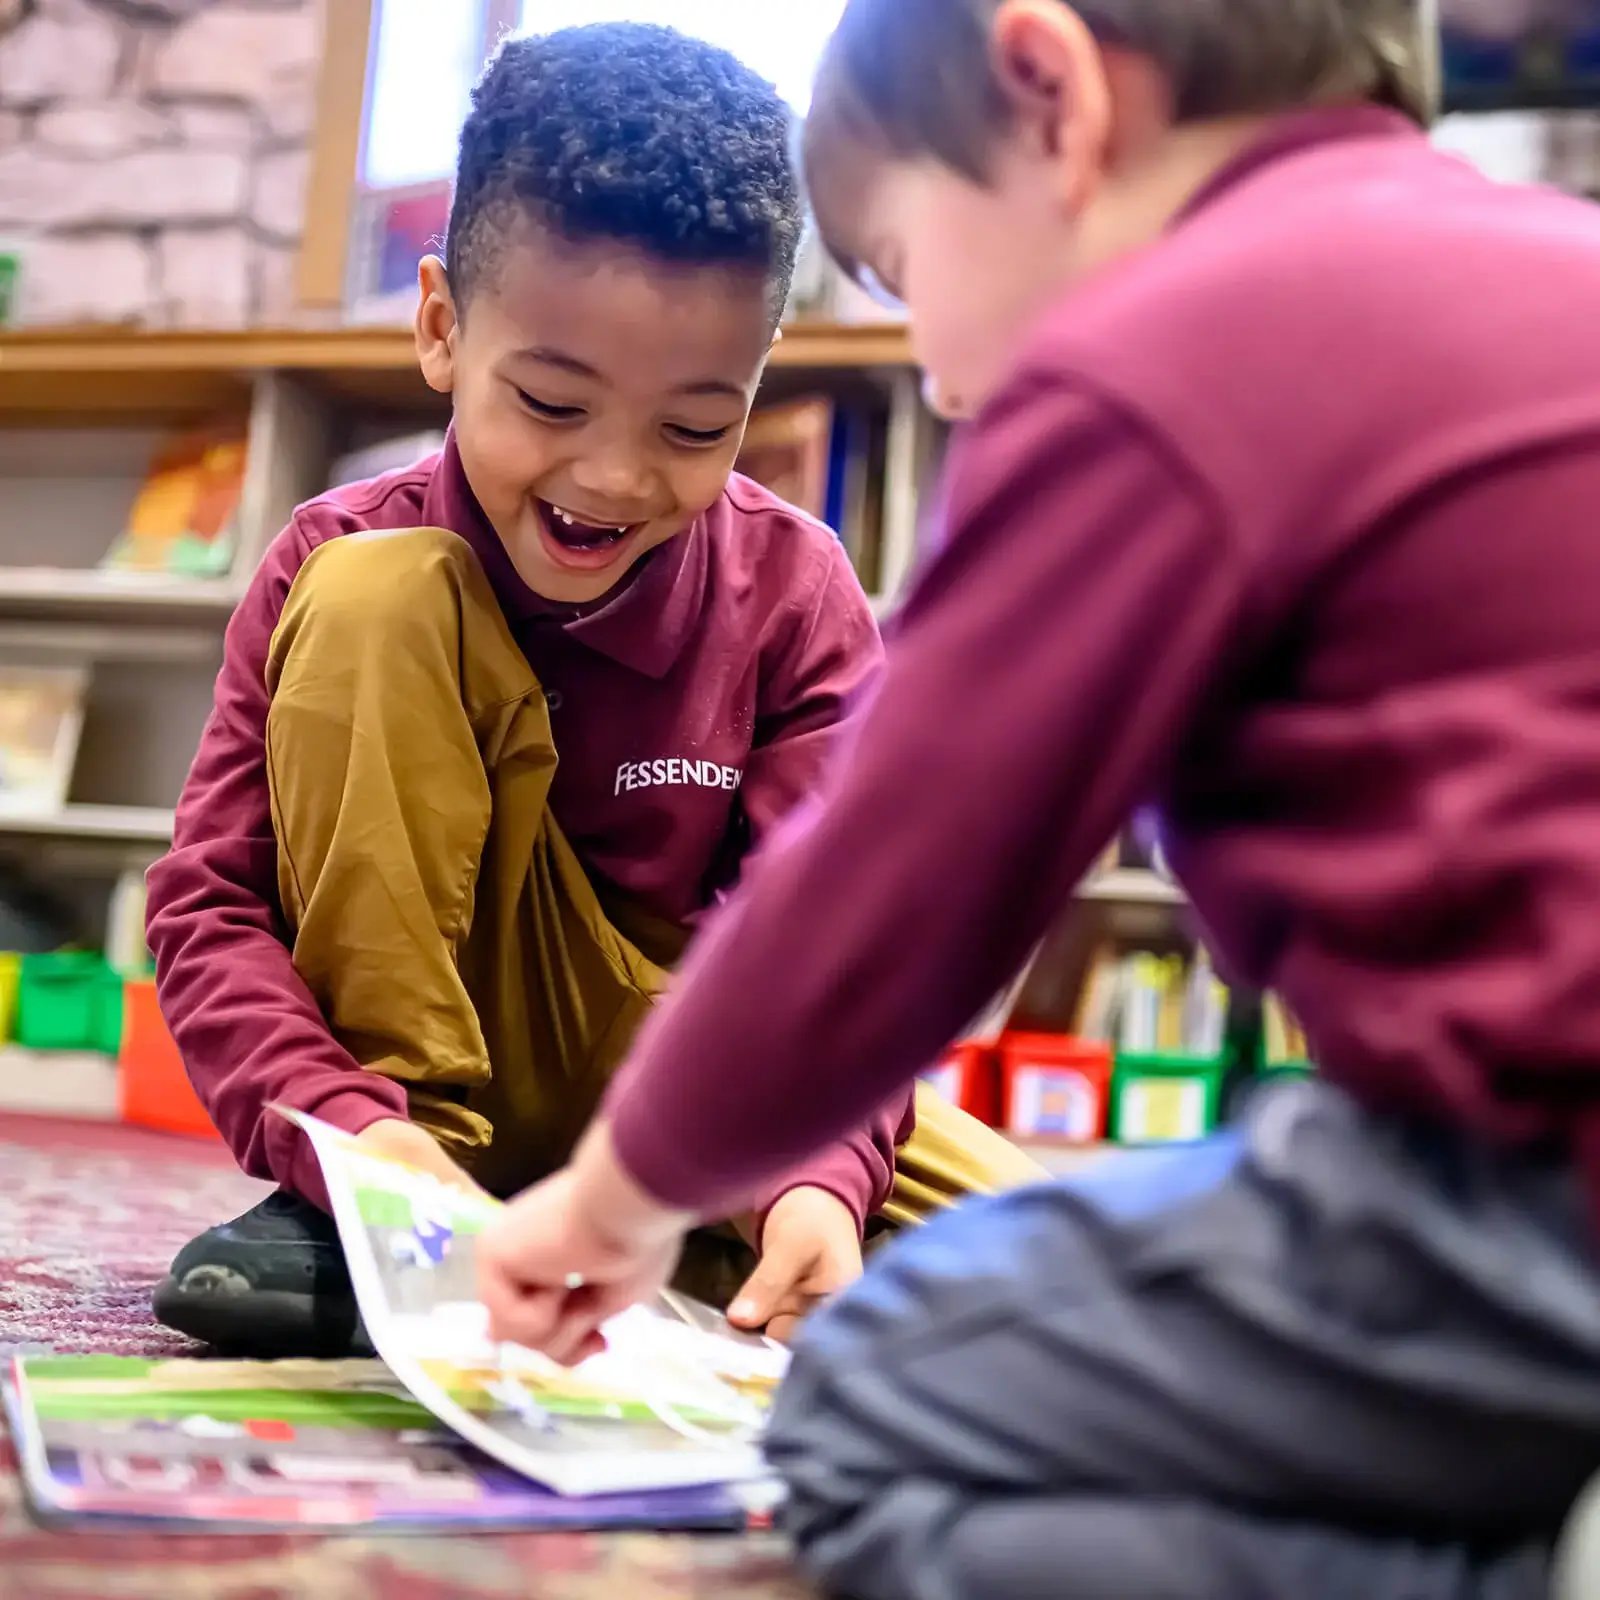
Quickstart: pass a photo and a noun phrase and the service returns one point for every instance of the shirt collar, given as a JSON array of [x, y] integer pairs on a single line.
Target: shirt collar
[[1301, 130], [644, 625]]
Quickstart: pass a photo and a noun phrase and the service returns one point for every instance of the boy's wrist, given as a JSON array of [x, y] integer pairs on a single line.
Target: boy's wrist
[[399, 1139], [815, 1207]]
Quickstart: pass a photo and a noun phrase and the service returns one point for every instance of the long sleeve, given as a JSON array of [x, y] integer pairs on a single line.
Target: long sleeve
[[248, 1028], [1053, 654], [821, 666]]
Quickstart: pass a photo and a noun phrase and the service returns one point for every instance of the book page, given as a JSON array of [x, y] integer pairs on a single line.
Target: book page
[[284, 1444], [676, 1399]]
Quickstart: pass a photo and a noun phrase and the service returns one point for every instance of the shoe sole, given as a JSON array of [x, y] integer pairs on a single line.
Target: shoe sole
[[263, 1324]]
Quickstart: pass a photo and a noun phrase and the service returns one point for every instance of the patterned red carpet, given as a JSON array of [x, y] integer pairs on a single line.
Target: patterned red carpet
[[90, 1215], [89, 1218]]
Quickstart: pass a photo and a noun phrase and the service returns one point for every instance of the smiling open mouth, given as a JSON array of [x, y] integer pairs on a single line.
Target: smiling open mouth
[[584, 538]]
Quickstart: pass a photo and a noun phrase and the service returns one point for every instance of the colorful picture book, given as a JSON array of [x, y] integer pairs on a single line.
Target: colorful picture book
[[184, 519], [662, 1429], [41, 721]]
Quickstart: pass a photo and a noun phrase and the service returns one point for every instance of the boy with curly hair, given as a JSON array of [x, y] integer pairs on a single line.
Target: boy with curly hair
[[388, 903]]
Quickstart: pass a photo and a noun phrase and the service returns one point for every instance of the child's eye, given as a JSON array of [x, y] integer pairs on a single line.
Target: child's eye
[[698, 435], [550, 413]]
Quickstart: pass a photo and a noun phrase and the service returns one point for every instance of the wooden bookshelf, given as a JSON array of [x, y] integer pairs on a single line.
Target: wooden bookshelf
[[93, 375], [81, 412]]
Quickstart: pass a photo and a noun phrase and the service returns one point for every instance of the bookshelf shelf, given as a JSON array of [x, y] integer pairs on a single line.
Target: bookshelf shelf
[[1564, 94], [80, 591], [88, 375], [121, 639], [1133, 886], [57, 1083], [119, 824], [1062, 1160]]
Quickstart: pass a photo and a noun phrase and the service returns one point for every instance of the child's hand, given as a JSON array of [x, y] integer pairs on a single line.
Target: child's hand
[[573, 1251], [395, 1140], [810, 1249]]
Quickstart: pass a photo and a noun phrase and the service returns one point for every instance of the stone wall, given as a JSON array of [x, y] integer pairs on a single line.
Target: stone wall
[[153, 156]]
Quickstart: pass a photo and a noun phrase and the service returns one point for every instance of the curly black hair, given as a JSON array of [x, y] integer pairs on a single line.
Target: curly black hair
[[630, 132]]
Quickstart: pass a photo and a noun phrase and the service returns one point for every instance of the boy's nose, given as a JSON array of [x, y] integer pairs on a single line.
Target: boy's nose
[[943, 401], [616, 480]]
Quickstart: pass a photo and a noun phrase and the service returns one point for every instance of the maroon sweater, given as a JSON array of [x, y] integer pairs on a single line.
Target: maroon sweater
[[690, 712], [1291, 524]]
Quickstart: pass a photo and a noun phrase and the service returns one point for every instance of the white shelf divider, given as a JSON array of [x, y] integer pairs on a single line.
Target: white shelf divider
[[125, 824]]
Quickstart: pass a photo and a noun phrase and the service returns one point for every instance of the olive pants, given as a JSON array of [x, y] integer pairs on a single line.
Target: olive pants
[[440, 917]]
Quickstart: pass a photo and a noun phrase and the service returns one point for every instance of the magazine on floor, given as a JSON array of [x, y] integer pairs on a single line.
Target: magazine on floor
[[253, 1445], [662, 1429]]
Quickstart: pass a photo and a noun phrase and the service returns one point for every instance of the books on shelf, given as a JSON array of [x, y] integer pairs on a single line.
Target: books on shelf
[[1283, 1041], [41, 721], [1149, 1004], [1505, 55], [184, 520], [448, 1429], [827, 459]]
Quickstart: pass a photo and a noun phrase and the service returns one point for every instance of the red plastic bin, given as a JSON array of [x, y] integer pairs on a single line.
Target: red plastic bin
[[969, 1077], [155, 1090], [1055, 1087]]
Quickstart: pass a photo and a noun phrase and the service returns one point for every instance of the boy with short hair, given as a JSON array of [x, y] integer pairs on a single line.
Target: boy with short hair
[[1278, 506], [388, 902]]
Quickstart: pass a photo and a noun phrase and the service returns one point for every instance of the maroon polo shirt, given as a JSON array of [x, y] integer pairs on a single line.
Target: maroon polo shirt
[[1289, 523], [690, 711]]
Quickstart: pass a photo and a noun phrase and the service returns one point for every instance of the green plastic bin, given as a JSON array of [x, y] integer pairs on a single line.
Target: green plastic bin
[[1165, 1099], [69, 1001]]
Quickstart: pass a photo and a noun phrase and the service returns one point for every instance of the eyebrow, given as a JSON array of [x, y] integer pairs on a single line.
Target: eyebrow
[[581, 369]]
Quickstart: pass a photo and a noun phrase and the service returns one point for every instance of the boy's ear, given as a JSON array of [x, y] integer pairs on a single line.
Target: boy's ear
[[436, 326], [1052, 71]]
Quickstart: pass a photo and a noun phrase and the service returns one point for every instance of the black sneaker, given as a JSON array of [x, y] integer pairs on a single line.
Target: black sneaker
[[271, 1284]]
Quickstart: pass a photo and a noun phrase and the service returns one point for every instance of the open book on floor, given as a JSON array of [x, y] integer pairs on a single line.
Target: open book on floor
[[447, 1429]]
